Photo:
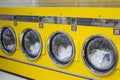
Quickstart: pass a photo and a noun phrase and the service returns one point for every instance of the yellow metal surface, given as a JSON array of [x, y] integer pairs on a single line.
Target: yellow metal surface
[[77, 67]]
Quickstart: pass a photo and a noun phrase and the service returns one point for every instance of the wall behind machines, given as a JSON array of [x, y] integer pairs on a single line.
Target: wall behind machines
[[65, 3]]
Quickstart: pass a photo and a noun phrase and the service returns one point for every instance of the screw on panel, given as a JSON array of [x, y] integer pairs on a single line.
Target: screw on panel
[[74, 28], [41, 22], [116, 31], [15, 21], [41, 25], [74, 24]]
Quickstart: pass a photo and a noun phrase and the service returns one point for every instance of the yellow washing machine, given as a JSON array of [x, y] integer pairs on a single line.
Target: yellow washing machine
[[63, 43]]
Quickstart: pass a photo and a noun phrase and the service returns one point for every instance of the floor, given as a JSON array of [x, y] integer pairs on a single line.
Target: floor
[[7, 76]]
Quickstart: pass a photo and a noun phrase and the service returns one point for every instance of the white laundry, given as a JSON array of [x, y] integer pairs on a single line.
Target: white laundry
[[35, 49], [99, 58], [10, 47], [64, 53]]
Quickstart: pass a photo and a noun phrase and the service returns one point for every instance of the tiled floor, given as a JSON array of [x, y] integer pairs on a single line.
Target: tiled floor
[[7, 76]]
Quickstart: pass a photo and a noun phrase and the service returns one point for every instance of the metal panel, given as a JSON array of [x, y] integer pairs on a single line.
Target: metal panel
[[9, 76]]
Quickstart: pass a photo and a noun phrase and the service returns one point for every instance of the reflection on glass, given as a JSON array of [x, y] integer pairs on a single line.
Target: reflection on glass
[[100, 55], [85, 21], [107, 22], [8, 40], [61, 48], [96, 22], [31, 44]]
